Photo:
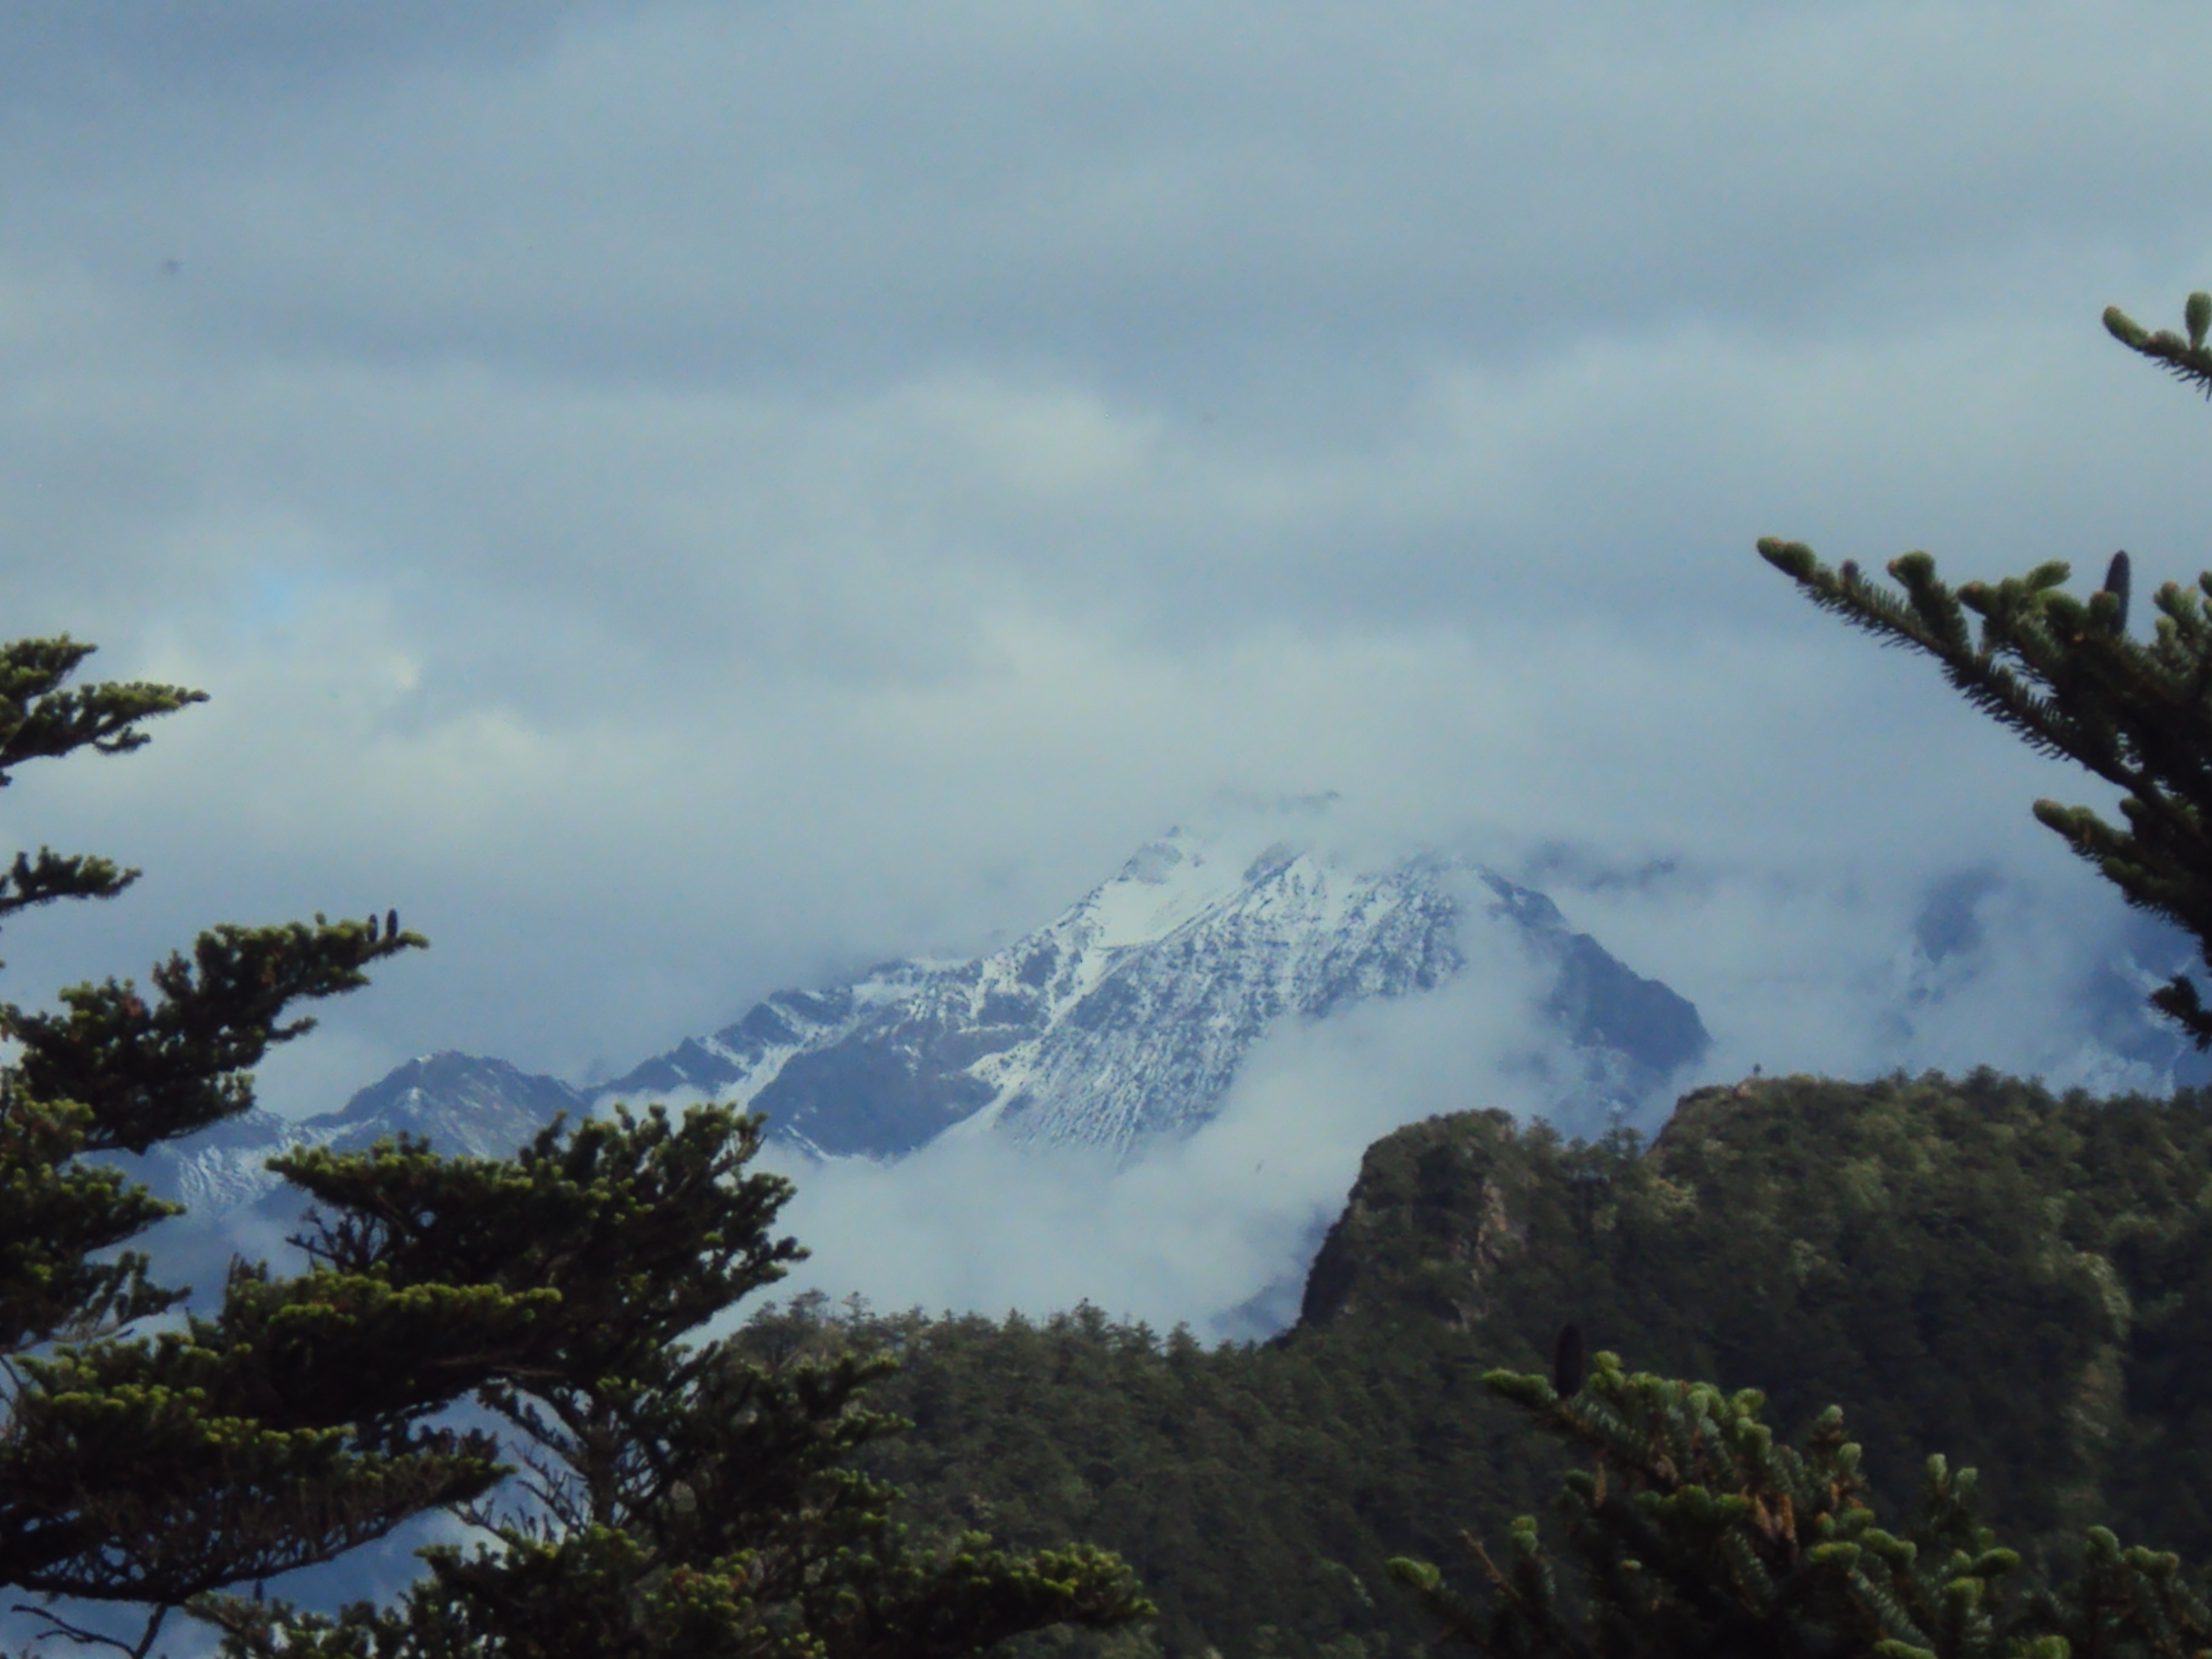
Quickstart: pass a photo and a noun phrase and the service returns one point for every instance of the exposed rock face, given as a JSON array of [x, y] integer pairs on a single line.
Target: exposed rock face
[[461, 1104], [1128, 1017], [1131, 1015], [479, 1108], [1438, 1209]]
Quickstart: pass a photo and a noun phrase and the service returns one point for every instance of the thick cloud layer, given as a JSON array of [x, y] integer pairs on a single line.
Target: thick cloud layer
[[685, 500]]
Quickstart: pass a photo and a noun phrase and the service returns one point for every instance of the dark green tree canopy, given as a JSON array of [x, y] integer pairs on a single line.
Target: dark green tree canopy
[[146, 1469], [677, 1499], [1693, 1531]]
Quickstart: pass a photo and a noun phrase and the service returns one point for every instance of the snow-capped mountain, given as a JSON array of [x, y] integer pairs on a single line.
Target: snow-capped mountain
[[1126, 1019], [460, 1103], [1130, 1015]]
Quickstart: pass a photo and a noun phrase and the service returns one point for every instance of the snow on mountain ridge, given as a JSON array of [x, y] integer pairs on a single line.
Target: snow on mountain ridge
[[1126, 1017], [1035, 981], [462, 1104], [1129, 1014], [1158, 1040], [1164, 883]]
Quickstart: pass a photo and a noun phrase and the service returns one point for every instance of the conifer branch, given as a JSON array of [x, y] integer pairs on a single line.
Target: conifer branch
[[2062, 675], [1728, 1542], [2183, 356], [148, 1071], [40, 721], [52, 876]]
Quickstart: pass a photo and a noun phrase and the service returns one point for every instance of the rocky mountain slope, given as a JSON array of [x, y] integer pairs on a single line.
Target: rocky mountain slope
[[461, 1104], [1130, 1015], [1126, 1017]]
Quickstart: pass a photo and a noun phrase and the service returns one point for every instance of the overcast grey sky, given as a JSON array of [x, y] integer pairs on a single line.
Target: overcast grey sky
[[685, 499]]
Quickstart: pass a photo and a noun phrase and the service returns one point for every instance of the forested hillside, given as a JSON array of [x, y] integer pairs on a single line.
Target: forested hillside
[[1968, 1265]]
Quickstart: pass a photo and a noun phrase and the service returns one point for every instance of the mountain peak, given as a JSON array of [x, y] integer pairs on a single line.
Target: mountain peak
[[448, 1073], [1130, 1014], [1126, 1017]]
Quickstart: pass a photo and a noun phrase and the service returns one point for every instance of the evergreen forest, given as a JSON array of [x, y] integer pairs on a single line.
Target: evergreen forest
[[1969, 1265]]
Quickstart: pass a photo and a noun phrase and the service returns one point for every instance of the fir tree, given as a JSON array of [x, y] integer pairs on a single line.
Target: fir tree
[[683, 1502], [679, 1498], [290, 1425], [2068, 676], [1693, 1532]]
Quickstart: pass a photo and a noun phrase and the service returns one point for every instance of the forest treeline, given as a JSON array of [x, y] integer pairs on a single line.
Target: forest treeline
[[1973, 1265]]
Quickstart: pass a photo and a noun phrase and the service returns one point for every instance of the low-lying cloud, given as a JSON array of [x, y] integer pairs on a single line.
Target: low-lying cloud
[[1195, 1226]]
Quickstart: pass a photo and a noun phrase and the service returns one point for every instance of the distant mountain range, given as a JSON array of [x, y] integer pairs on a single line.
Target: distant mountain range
[[1128, 1017], [462, 1104]]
